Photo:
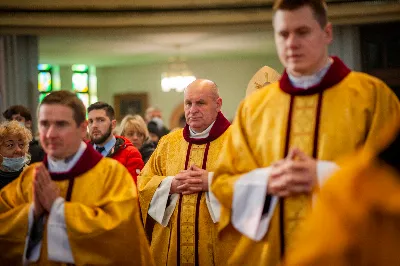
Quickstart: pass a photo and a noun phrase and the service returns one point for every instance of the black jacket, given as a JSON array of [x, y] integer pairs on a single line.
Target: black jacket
[[146, 150]]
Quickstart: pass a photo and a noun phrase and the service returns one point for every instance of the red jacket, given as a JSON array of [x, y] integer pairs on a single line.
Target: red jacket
[[125, 153]]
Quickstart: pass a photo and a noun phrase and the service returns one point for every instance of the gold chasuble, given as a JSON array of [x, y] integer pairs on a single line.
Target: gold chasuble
[[101, 215], [334, 118], [190, 237], [356, 218]]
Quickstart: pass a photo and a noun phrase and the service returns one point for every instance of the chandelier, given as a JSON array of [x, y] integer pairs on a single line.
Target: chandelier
[[177, 77]]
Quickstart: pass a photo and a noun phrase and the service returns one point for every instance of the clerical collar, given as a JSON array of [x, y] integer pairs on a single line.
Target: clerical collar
[[200, 135], [305, 82], [337, 72], [64, 165], [220, 125], [108, 146]]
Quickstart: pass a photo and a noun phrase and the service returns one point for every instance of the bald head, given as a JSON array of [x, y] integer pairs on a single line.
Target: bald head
[[202, 104], [204, 85]]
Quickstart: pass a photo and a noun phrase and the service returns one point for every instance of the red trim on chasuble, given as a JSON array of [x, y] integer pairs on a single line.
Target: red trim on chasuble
[[314, 155], [88, 160], [220, 126], [69, 191], [336, 73], [198, 199]]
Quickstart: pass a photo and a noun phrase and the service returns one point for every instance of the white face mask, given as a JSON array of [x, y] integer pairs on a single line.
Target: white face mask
[[158, 121], [14, 164]]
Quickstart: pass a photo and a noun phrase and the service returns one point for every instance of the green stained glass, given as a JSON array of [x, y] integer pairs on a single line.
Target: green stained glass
[[44, 67], [80, 68], [44, 82]]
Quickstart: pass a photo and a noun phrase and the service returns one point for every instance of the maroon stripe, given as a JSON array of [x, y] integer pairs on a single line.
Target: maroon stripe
[[69, 191], [282, 200], [196, 230], [316, 130], [178, 258], [188, 155], [205, 156]]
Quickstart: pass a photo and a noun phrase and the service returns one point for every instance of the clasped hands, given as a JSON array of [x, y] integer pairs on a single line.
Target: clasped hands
[[192, 180], [296, 174], [45, 191]]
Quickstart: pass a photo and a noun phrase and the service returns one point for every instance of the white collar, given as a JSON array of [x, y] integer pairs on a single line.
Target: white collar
[[201, 135], [305, 82], [60, 166]]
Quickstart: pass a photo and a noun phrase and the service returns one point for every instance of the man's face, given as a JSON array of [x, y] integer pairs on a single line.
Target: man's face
[[201, 108], [60, 136], [100, 126], [301, 42]]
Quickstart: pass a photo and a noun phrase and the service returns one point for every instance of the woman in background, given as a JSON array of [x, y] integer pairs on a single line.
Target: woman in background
[[134, 128], [14, 145]]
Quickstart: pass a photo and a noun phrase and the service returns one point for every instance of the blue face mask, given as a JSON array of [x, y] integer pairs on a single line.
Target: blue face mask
[[14, 164]]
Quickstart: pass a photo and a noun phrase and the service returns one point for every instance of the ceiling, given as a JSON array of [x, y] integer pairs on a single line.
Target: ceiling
[[125, 32], [109, 48]]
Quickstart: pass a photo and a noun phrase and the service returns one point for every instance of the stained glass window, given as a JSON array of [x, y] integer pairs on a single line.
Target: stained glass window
[[45, 80], [81, 83]]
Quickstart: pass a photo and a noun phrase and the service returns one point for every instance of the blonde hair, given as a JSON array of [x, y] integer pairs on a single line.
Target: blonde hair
[[13, 128], [136, 123]]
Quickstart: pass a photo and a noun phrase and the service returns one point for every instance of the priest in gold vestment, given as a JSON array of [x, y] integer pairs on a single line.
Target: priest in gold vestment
[[74, 208], [288, 137], [178, 211], [356, 218]]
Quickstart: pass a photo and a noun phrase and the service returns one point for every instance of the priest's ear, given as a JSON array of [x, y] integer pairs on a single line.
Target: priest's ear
[[83, 127], [219, 104]]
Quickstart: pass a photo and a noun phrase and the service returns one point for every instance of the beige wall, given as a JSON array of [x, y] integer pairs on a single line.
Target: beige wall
[[231, 75]]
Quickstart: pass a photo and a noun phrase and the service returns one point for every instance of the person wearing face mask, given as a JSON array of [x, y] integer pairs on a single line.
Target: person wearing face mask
[[14, 144], [153, 116], [74, 208], [22, 115]]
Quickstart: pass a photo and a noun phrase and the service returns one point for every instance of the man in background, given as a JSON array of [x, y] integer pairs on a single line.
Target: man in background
[[177, 208], [101, 125]]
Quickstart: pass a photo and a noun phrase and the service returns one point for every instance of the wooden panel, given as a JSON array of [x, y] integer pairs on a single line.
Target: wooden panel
[[130, 103]]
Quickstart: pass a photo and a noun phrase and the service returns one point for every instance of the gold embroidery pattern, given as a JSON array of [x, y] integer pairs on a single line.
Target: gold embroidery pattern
[[302, 137], [188, 213]]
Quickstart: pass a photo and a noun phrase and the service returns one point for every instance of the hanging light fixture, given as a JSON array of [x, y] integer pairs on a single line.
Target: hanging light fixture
[[177, 76]]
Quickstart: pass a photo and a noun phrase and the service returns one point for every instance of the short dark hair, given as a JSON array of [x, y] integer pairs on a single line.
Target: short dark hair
[[17, 110], [318, 7], [103, 106], [70, 100]]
